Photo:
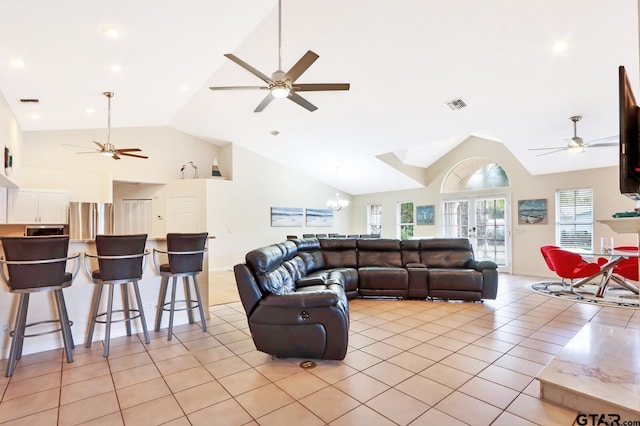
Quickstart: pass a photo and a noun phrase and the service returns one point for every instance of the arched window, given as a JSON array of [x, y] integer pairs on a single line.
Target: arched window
[[475, 174]]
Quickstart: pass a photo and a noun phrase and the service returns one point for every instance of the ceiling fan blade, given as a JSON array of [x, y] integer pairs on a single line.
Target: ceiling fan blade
[[551, 147], [552, 152], [602, 145], [249, 68], [120, 150], [128, 155], [321, 86], [238, 87], [266, 101], [89, 152], [78, 146], [115, 156], [301, 66], [302, 102], [99, 144]]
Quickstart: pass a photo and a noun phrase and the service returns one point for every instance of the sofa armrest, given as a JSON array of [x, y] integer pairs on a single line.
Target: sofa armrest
[[301, 300], [485, 264], [306, 282]]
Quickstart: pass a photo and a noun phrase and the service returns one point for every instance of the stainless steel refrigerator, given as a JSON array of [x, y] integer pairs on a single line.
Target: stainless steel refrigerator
[[86, 220]]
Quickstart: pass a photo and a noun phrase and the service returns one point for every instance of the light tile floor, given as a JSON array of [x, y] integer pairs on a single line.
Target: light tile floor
[[409, 362]]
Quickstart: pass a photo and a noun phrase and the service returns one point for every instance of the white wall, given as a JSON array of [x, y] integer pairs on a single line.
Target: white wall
[[526, 239]]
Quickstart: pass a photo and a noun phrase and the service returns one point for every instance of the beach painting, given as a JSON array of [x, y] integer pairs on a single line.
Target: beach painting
[[287, 216], [532, 212], [319, 217]]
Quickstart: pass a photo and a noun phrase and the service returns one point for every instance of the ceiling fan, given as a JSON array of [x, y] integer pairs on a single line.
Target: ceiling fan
[[576, 143], [282, 84], [108, 148]]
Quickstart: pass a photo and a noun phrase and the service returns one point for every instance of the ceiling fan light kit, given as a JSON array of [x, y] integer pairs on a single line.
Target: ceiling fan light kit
[[282, 84], [337, 204]]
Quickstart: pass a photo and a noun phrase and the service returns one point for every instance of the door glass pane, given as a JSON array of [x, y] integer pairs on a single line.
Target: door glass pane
[[490, 230], [456, 218]]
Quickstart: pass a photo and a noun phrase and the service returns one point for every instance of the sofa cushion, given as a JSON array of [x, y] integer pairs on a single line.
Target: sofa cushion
[[410, 250], [446, 253], [339, 252], [379, 252], [455, 280]]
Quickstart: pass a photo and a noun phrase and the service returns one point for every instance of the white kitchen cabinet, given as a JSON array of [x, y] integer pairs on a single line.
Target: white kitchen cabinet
[[29, 206], [3, 205]]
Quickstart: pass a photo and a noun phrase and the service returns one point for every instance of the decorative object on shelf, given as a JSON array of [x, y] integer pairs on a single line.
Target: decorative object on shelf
[[426, 215], [287, 216], [532, 212], [193, 166], [337, 204], [8, 160], [319, 217], [215, 172], [108, 149]]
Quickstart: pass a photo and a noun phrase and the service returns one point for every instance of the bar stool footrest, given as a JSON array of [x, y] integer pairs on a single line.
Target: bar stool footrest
[[12, 333], [119, 311], [194, 305]]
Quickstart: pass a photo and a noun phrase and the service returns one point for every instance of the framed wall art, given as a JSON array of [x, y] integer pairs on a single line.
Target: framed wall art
[[287, 216], [319, 217], [532, 212], [426, 215]]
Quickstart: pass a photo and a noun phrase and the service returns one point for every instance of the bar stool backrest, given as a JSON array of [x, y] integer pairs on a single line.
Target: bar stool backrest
[[120, 245], [36, 248], [181, 242]]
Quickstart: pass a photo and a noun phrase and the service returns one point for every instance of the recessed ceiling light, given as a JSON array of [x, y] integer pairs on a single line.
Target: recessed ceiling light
[[274, 133], [18, 63], [184, 88], [560, 46], [90, 110], [35, 116], [110, 32], [116, 68]]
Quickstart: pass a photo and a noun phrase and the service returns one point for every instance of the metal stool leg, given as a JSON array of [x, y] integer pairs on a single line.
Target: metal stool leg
[[200, 307], [65, 328], [174, 283], [107, 332], [141, 309], [161, 297], [97, 295], [124, 292], [15, 353], [187, 296], [66, 314]]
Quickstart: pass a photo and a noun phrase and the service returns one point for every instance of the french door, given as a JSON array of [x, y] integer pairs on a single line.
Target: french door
[[485, 221]]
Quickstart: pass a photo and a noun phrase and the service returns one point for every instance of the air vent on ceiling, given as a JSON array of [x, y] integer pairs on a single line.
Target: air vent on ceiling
[[29, 100], [456, 104]]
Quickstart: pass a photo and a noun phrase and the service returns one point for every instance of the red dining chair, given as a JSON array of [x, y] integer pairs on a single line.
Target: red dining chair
[[544, 250], [569, 265]]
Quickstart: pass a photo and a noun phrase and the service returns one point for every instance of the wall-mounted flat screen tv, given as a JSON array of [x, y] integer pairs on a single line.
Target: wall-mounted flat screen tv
[[629, 139]]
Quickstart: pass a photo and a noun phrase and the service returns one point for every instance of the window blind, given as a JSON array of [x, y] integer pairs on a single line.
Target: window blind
[[574, 218]]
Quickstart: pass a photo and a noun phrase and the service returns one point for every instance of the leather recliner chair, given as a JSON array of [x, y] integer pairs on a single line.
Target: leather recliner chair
[[288, 315]]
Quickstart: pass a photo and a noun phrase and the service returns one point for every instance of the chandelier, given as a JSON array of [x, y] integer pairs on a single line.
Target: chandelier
[[337, 204]]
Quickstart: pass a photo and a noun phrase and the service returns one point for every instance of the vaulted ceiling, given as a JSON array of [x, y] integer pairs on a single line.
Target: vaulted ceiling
[[405, 60]]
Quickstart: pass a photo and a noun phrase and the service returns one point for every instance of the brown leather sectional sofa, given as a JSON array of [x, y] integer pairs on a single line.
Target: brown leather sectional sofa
[[295, 293]]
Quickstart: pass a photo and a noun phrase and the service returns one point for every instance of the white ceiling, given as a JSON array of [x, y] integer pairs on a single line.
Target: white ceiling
[[404, 59]]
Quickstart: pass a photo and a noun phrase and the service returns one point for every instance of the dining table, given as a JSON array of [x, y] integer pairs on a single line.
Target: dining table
[[606, 272]]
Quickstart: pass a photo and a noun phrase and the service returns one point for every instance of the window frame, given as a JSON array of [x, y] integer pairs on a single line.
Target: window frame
[[405, 225], [374, 219], [567, 217]]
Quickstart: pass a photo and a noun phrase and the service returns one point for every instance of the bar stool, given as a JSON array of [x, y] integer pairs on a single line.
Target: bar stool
[[121, 260], [185, 253], [37, 264]]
